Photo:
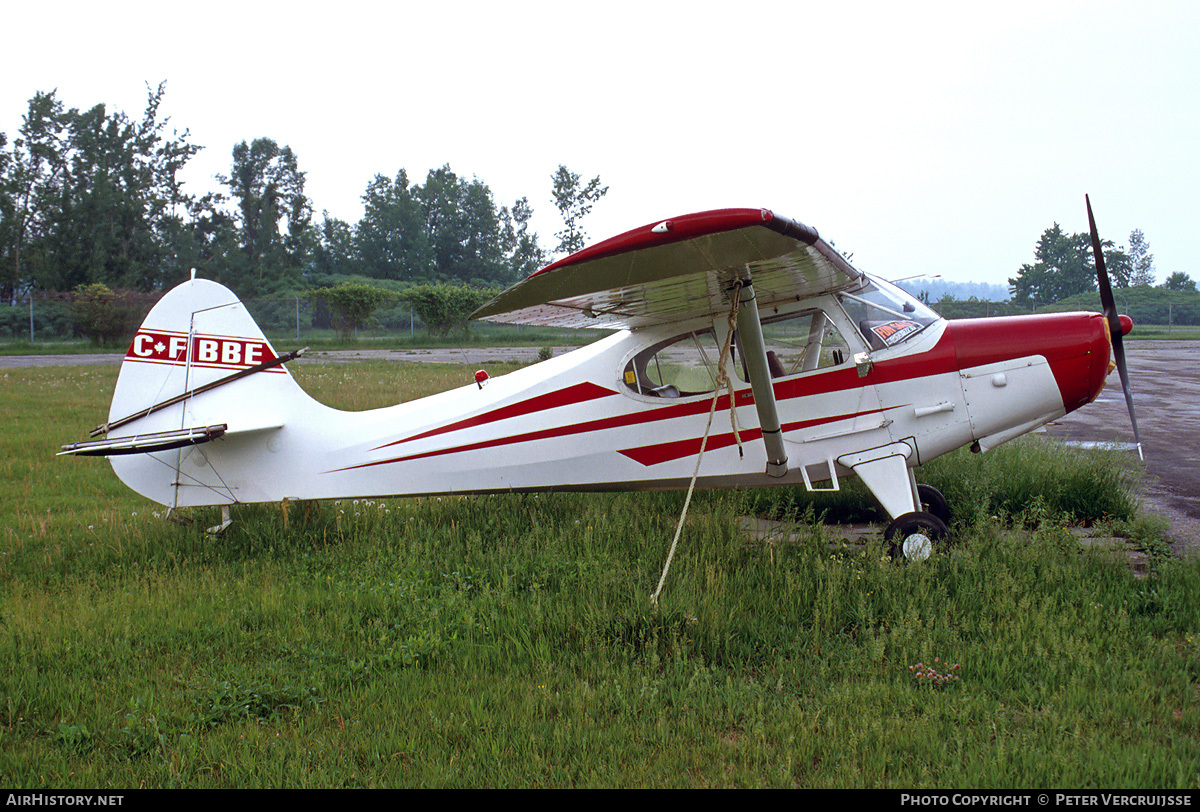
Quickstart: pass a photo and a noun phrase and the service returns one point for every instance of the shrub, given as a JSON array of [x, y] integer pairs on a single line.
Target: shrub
[[446, 307], [106, 316], [352, 305]]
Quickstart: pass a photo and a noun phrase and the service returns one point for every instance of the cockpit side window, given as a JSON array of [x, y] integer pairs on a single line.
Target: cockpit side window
[[679, 367], [796, 343], [885, 315]]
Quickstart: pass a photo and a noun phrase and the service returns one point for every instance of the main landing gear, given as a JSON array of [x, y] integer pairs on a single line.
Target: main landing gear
[[922, 512], [914, 536]]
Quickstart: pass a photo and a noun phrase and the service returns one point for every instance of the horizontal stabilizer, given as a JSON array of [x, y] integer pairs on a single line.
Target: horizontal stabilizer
[[145, 443], [162, 440]]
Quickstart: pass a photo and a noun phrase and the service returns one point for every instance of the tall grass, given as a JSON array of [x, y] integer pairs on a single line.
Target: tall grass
[[508, 641], [1027, 482]]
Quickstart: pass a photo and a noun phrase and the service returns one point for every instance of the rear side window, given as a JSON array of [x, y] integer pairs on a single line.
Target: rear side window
[[685, 365]]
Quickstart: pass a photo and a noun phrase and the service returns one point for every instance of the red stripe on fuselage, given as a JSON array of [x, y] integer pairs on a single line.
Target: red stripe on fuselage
[[579, 393], [938, 360], [665, 452], [617, 421]]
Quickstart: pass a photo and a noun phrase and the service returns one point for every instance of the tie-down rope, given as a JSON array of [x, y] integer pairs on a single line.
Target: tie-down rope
[[722, 382]]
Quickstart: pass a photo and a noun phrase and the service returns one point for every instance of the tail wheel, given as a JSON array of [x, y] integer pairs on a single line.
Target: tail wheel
[[914, 536], [932, 501]]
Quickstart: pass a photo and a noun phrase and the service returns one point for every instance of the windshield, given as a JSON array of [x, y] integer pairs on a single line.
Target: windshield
[[885, 314]]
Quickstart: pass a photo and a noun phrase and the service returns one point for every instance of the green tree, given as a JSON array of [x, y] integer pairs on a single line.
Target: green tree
[[1064, 265], [162, 157], [211, 241], [33, 171], [95, 196], [483, 257], [335, 253], [1140, 259], [446, 229], [1116, 262], [574, 201], [1179, 281], [352, 305], [520, 245], [462, 227], [391, 239], [8, 224], [273, 213]]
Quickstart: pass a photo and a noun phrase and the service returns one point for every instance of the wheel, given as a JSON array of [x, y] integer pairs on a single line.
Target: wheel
[[914, 536], [932, 501]]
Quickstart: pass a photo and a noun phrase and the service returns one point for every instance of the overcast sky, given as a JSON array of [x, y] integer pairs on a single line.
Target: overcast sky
[[924, 137]]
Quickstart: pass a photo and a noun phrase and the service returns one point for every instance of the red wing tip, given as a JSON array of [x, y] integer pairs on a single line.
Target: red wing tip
[[675, 229]]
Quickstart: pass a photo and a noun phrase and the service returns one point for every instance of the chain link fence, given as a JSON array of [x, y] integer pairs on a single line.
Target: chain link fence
[[48, 318]]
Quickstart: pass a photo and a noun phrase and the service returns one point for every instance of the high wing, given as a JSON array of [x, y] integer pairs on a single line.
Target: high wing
[[676, 269]]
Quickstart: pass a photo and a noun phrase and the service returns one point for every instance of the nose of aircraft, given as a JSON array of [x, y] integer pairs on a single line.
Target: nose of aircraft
[[1081, 374], [1076, 345]]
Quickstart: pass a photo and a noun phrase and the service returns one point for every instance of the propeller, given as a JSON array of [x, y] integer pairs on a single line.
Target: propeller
[[1114, 322]]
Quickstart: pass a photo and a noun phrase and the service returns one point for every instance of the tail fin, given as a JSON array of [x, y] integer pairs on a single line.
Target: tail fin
[[199, 368]]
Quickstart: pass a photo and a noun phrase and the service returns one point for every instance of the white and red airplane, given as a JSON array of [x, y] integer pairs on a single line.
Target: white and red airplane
[[833, 373]]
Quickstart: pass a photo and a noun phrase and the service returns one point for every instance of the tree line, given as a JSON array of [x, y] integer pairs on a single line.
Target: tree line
[[1064, 266], [95, 197]]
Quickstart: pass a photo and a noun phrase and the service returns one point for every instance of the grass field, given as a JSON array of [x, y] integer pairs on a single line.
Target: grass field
[[1162, 332], [508, 641]]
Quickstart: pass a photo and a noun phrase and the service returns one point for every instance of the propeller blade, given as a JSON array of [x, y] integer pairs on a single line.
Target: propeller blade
[[1109, 306]]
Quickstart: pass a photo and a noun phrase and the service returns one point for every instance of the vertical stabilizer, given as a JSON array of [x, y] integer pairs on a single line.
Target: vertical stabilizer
[[198, 360]]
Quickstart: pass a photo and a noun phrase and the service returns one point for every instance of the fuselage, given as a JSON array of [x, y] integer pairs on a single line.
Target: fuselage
[[631, 411]]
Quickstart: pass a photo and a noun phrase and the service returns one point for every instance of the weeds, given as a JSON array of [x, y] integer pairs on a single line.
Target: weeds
[[933, 675], [260, 700]]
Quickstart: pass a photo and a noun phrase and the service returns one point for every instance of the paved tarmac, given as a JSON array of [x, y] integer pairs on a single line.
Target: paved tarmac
[[1165, 380], [14, 361]]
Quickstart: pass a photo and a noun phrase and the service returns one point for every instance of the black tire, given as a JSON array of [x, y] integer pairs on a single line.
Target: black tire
[[932, 501], [915, 536]]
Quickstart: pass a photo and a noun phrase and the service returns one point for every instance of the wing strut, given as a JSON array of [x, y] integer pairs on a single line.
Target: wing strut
[[755, 353]]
